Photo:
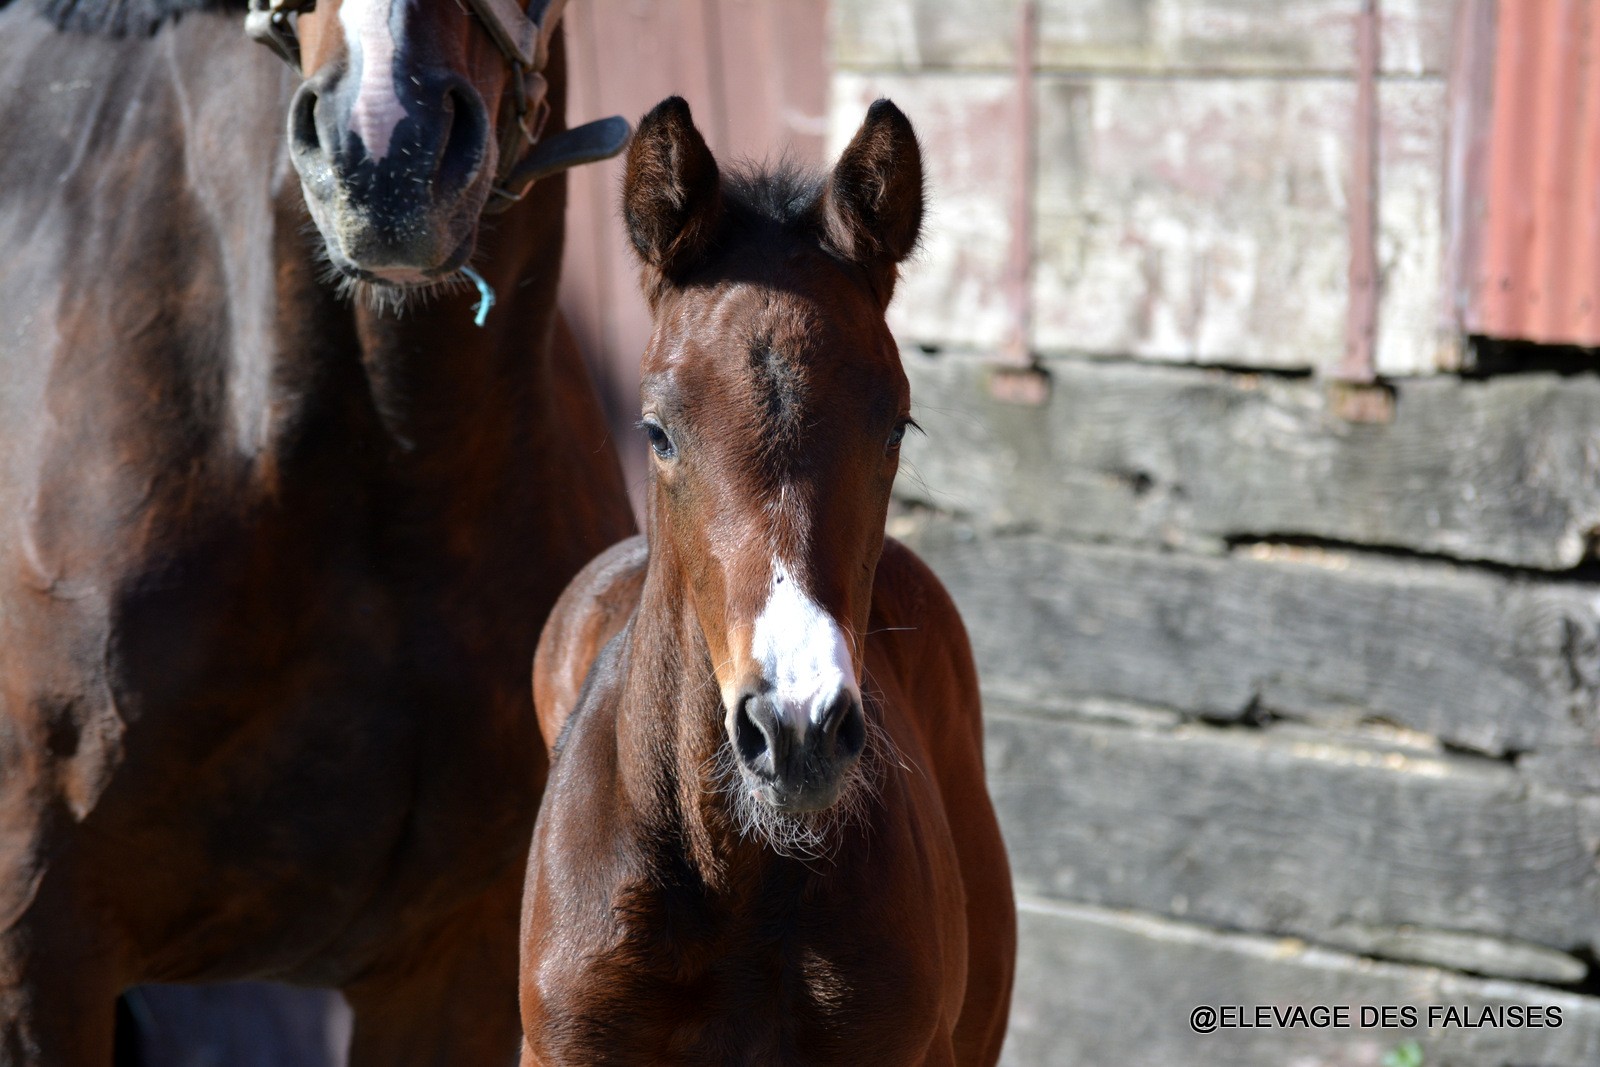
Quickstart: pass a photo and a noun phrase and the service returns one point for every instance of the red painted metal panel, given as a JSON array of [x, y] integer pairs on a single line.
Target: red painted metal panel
[[1538, 273], [755, 74]]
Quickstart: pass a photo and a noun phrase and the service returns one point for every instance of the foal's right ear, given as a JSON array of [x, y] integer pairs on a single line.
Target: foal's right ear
[[671, 194]]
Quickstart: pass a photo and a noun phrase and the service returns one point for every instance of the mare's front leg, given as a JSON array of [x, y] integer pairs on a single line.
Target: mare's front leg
[[447, 998], [58, 990]]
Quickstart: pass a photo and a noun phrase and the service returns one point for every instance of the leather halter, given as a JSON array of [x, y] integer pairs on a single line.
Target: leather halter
[[523, 37]]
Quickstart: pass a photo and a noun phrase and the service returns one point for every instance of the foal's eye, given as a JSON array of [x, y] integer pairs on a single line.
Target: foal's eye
[[897, 435], [660, 443]]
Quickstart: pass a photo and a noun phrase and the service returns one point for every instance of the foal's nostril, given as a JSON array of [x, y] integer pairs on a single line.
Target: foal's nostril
[[844, 724], [751, 740]]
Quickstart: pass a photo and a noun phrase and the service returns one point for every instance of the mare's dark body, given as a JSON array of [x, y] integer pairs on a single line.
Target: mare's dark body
[[272, 565]]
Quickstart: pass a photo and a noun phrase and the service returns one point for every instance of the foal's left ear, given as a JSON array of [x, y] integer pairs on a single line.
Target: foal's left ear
[[873, 203]]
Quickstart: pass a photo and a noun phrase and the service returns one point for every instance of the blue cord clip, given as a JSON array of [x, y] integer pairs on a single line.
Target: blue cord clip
[[485, 295]]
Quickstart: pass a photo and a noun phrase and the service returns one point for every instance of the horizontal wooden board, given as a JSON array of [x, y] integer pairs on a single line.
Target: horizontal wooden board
[[1300, 37], [1109, 989], [1293, 831], [1506, 470], [1478, 661], [1180, 220]]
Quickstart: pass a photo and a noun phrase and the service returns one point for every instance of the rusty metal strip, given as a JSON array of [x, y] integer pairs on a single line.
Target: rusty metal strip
[[1018, 349], [1016, 378], [1361, 323], [1471, 103]]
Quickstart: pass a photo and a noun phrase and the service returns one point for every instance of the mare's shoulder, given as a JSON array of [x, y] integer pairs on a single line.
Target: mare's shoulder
[[124, 18], [594, 608]]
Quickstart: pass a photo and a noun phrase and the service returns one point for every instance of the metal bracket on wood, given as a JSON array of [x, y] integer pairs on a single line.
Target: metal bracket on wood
[[1016, 377]]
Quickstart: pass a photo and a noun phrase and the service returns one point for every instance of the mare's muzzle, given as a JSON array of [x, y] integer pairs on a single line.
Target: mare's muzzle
[[796, 769], [403, 209]]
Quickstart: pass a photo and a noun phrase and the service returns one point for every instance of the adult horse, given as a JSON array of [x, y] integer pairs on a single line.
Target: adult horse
[[766, 837], [273, 558]]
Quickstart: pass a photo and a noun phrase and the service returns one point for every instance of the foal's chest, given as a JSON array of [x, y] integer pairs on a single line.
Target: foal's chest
[[813, 987]]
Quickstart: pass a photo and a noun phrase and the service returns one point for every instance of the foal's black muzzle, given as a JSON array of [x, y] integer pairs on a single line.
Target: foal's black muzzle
[[796, 769]]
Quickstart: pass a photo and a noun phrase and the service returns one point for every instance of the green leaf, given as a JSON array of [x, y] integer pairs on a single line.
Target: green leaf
[[1408, 1054]]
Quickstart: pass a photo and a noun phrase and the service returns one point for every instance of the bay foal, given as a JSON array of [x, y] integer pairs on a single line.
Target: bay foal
[[766, 837]]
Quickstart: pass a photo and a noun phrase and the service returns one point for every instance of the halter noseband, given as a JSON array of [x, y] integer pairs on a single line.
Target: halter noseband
[[523, 37]]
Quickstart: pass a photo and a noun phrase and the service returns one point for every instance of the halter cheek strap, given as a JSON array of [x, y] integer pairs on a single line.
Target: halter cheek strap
[[523, 38]]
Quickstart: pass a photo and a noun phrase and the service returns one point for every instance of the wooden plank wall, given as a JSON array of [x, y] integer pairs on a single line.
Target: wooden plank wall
[[1281, 708], [1192, 178], [753, 71]]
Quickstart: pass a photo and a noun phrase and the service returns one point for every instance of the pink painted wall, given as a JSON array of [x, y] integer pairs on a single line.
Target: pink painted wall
[[755, 74]]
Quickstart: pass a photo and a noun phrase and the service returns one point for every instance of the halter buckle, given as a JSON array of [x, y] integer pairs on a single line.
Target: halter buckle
[[267, 21]]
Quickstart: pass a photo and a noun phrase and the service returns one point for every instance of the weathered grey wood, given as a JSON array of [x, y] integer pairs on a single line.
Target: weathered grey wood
[[1475, 954], [1506, 470], [1294, 831], [1479, 661], [1237, 36], [1177, 220], [1106, 989], [1573, 769]]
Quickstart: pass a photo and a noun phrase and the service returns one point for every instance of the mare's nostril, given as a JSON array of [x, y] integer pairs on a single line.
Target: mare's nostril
[[303, 120], [467, 139]]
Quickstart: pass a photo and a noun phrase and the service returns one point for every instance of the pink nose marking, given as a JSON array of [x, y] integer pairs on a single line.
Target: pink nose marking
[[377, 110]]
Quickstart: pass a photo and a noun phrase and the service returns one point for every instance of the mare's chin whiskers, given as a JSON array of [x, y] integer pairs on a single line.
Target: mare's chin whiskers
[[380, 296]]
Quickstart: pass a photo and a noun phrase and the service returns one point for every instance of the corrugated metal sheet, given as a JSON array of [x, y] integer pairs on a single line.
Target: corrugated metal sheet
[[1537, 271], [754, 72]]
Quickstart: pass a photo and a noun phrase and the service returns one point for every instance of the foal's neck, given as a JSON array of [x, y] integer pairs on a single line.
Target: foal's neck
[[671, 741]]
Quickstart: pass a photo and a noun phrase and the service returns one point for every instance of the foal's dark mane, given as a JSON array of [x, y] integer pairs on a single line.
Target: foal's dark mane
[[123, 18]]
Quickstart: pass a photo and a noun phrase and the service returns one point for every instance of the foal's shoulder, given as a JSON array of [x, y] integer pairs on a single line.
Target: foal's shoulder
[[595, 606], [916, 635], [916, 623], [907, 592]]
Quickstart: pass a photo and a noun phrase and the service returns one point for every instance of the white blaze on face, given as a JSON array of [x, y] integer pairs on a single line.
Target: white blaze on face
[[803, 653], [372, 47]]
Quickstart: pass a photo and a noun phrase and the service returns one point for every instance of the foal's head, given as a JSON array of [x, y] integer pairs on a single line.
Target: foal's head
[[775, 402], [398, 128]]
